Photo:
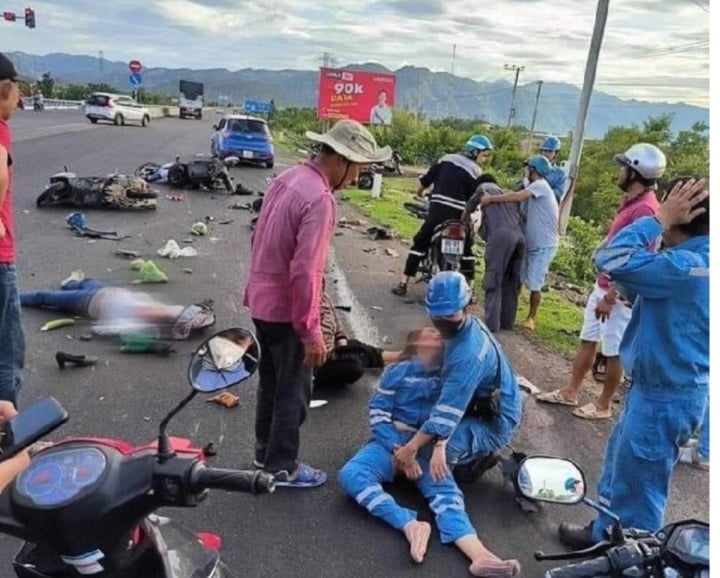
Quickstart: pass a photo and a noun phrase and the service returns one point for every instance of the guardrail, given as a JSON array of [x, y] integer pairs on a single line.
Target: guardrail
[[55, 104]]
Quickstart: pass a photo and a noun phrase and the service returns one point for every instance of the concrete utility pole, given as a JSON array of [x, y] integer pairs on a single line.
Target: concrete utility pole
[[588, 86], [518, 70], [532, 125], [452, 65]]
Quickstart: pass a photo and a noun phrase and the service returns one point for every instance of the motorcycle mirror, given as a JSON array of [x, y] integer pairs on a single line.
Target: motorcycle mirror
[[552, 480], [226, 359]]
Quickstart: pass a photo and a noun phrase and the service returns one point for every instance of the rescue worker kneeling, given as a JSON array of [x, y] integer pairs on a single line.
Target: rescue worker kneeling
[[402, 401], [480, 404]]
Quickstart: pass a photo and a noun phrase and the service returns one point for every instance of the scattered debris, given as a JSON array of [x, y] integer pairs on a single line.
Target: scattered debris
[[63, 358], [188, 241], [315, 403], [346, 308], [339, 233], [228, 222], [149, 272], [386, 339], [528, 386], [145, 344], [377, 308], [371, 251], [241, 206], [199, 229], [345, 222], [209, 450], [57, 324], [128, 254], [391, 252], [175, 197], [225, 399], [379, 234], [171, 250], [187, 270], [86, 337]]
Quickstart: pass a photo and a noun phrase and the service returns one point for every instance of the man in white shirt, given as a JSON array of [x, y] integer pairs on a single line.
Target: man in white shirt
[[381, 113]]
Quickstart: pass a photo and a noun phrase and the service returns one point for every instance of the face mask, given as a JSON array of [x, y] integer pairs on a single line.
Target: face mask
[[448, 328]]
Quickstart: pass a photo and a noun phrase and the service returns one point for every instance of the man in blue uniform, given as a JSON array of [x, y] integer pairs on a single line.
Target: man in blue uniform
[[454, 179], [480, 405], [665, 351]]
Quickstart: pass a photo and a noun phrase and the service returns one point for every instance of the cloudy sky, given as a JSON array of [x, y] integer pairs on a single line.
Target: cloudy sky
[[653, 49]]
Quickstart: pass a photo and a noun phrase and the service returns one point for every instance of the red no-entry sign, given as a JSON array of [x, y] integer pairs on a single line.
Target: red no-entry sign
[[135, 66]]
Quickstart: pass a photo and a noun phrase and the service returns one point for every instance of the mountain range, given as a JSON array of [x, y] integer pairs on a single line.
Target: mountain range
[[436, 94]]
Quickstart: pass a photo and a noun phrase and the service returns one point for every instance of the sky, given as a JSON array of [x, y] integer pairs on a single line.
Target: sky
[[655, 50]]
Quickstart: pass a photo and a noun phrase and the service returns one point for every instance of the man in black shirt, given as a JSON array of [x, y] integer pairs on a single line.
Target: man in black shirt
[[454, 179]]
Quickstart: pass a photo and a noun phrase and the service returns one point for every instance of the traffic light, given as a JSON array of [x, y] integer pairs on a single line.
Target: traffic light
[[29, 17], [9, 16]]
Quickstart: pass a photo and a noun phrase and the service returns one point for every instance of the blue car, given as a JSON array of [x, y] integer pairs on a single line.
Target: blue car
[[245, 137]]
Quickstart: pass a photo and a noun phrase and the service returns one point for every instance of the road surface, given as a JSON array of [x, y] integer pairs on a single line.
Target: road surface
[[291, 533]]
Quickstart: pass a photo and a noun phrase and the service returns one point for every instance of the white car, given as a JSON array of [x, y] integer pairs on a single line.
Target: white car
[[116, 108]]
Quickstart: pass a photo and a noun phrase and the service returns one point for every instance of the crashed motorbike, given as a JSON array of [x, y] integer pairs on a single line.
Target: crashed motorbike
[[447, 244], [680, 550], [114, 191], [86, 506], [390, 167], [207, 173]]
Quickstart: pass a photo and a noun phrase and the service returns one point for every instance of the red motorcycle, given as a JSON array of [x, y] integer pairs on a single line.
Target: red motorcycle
[[85, 506]]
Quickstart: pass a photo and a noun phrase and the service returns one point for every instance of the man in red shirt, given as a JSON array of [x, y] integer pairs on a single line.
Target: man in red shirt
[[12, 342], [608, 312], [290, 246]]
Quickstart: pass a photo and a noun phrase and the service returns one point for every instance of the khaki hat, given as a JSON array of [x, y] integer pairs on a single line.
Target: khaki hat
[[353, 141]]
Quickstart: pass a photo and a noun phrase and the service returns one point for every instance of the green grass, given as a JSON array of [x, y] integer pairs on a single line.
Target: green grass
[[557, 317]]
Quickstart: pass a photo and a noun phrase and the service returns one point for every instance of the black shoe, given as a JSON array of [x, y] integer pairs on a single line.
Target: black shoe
[[577, 537], [400, 290], [78, 360]]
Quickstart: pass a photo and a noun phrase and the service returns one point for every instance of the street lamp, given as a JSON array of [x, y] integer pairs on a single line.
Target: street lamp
[[517, 69]]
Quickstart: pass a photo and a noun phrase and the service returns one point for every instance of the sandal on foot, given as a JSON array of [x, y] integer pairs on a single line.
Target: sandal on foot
[[400, 290], [689, 455], [590, 411], [555, 397], [528, 325], [304, 477]]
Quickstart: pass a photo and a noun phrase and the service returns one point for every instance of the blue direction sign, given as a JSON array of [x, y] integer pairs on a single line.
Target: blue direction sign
[[135, 79], [258, 106]]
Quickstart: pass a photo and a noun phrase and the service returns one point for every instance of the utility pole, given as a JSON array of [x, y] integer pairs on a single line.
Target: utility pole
[[517, 69], [100, 63], [452, 65], [534, 118], [588, 86]]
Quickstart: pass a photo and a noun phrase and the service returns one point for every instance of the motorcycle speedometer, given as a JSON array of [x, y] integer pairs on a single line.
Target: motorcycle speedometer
[[56, 478], [687, 544]]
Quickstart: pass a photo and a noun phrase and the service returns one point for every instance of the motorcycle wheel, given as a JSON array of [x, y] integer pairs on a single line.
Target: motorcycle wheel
[[365, 181], [176, 176], [51, 195]]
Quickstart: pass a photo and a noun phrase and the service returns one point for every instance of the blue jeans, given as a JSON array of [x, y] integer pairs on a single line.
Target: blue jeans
[[641, 454], [535, 267], [12, 339], [73, 298]]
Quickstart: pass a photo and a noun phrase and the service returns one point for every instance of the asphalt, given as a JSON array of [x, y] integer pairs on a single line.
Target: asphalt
[[292, 532]]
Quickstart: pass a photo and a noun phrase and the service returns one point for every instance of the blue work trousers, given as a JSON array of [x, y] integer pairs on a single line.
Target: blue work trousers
[[704, 435], [362, 478], [12, 339], [641, 454], [474, 439], [73, 299]]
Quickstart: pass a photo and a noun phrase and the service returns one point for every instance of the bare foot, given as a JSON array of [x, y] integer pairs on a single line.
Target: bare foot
[[418, 536], [490, 566]]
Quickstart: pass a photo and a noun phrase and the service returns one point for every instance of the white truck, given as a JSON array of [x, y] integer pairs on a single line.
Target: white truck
[[191, 99]]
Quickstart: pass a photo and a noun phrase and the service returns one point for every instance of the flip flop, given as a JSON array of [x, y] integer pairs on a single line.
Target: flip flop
[[590, 411], [555, 398], [305, 477]]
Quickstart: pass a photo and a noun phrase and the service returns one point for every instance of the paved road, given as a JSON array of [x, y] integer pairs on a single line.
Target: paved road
[[292, 533]]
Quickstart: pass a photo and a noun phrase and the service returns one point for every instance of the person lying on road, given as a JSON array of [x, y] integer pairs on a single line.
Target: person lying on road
[[120, 311], [480, 406], [403, 400]]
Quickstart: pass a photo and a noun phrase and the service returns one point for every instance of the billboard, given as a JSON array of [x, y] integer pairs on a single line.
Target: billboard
[[367, 97]]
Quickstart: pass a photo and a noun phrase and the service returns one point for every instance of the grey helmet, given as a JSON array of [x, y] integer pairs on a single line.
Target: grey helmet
[[646, 159]]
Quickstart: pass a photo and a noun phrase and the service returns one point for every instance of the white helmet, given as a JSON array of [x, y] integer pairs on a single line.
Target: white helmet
[[646, 159]]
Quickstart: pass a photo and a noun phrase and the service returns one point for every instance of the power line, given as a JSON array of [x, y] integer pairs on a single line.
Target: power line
[[701, 5]]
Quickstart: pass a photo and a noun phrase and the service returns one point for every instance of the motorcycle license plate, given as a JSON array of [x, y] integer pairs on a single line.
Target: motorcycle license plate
[[248, 155], [452, 247]]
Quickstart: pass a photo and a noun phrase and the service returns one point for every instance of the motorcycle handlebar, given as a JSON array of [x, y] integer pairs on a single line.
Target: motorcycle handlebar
[[247, 481], [589, 569]]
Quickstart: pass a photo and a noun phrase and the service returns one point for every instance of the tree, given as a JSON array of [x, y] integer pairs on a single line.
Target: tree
[[46, 85]]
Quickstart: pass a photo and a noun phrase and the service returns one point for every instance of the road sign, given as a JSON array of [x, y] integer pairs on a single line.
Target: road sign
[[258, 106], [135, 66], [135, 79]]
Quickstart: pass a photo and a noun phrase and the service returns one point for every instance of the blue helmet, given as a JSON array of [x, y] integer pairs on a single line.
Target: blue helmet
[[540, 165], [478, 142], [551, 143], [570, 483], [447, 293]]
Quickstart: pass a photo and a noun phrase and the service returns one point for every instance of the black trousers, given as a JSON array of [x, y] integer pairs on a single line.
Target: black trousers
[[283, 396], [503, 262], [347, 364], [423, 238]]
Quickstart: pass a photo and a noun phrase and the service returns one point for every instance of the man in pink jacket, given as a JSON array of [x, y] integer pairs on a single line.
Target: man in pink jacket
[[289, 252]]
